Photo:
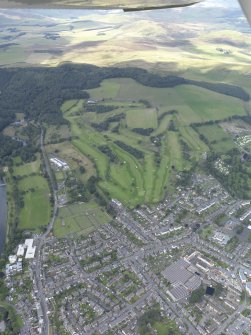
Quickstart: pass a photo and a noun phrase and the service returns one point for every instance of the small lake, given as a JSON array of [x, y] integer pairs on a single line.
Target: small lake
[[3, 215]]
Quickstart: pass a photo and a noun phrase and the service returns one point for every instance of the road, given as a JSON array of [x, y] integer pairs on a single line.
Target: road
[[41, 240]]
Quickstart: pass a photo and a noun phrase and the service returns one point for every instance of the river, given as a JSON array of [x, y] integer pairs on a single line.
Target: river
[[3, 215]]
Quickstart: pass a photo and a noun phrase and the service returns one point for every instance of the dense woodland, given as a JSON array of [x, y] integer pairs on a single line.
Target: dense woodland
[[40, 92]]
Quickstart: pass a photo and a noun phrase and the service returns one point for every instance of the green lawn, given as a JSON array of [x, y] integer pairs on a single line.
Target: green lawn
[[69, 104], [27, 169], [166, 328], [79, 219], [37, 209], [208, 105], [143, 118], [35, 192]]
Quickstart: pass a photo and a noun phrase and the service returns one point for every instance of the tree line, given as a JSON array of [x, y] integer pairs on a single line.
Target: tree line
[[40, 92]]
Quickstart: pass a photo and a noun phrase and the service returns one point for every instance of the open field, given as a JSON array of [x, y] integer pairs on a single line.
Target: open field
[[135, 166], [219, 140], [195, 104], [142, 118], [56, 134], [79, 219], [28, 169], [36, 211]]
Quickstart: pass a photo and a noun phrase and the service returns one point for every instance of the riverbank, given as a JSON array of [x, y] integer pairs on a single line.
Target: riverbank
[[3, 215]]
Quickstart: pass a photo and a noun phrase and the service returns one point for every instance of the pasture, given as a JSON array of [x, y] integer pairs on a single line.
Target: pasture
[[218, 139], [27, 169]]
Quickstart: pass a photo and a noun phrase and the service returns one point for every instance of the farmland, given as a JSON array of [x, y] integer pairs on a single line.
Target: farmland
[[139, 137], [140, 39]]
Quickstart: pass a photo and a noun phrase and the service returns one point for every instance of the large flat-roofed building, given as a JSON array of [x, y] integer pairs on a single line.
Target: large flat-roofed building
[[221, 238], [248, 288], [28, 242], [183, 278], [30, 252], [20, 251], [12, 259], [245, 277]]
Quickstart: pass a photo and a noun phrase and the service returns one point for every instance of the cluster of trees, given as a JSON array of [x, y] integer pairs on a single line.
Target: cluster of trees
[[171, 112], [245, 118], [226, 89], [77, 190], [146, 103], [156, 140], [109, 153], [133, 151], [92, 184], [143, 131], [172, 126], [8, 146], [236, 181], [104, 126], [197, 295], [153, 316], [157, 158], [149, 317], [220, 220], [185, 149], [185, 178], [8, 315]]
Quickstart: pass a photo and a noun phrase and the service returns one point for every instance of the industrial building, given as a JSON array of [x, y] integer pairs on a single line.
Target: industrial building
[[20, 251], [183, 277], [30, 252], [59, 164]]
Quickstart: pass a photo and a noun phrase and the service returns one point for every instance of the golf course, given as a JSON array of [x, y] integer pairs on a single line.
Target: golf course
[[139, 138]]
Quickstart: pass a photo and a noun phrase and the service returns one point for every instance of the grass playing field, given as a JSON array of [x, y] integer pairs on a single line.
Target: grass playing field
[[36, 211], [146, 163], [79, 219]]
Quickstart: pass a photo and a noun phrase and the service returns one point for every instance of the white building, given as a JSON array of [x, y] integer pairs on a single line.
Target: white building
[[30, 253], [221, 238], [59, 164], [20, 251], [248, 288], [12, 259]]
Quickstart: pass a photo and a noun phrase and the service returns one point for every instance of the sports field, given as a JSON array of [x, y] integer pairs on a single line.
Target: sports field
[[79, 219], [36, 211], [141, 144]]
